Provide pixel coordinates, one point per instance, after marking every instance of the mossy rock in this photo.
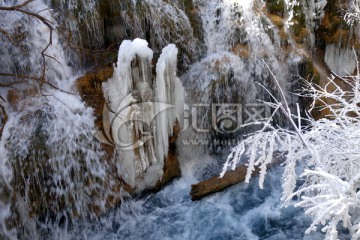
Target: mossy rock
(55, 181)
(276, 20)
(333, 28)
(241, 50)
(90, 89)
(33, 171)
(143, 19)
(276, 7)
(301, 35)
(194, 17)
(299, 28)
(308, 71)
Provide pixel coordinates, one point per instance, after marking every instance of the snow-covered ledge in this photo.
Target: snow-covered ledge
(142, 111)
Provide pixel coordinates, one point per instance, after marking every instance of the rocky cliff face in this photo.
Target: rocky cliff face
(308, 25)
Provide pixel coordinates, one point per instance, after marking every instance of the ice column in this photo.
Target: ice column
(143, 111)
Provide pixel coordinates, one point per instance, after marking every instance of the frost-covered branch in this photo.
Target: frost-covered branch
(353, 13)
(21, 8)
(327, 149)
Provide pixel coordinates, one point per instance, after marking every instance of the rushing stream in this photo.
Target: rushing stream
(240, 212)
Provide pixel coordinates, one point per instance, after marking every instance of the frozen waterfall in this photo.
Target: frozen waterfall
(143, 111)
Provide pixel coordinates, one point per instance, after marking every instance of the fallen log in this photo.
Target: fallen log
(217, 184)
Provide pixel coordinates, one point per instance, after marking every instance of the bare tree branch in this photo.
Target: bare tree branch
(18, 8)
(41, 80)
(95, 54)
(36, 79)
(8, 36)
(3, 117)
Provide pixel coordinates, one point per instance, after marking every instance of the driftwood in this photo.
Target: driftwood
(217, 184)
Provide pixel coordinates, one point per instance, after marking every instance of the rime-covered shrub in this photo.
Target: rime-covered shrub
(327, 150)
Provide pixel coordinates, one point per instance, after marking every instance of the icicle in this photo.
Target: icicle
(339, 60)
(141, 145)
(168, 90)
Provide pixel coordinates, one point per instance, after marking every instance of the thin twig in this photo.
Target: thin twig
(287, 112)
(34, 79)
(4, 119)
(8, 36)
